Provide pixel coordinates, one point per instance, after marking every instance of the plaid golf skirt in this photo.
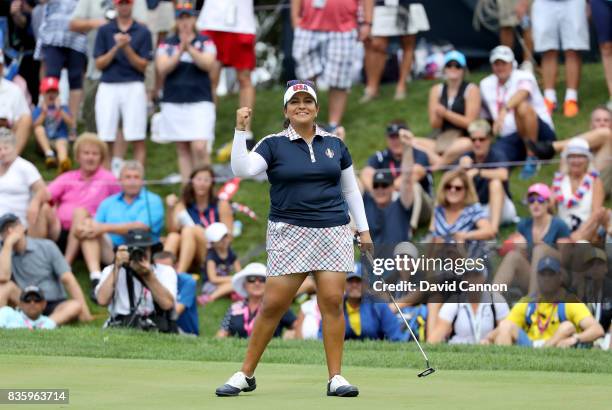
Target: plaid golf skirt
(295, 249)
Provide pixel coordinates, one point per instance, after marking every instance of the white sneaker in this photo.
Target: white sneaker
(527, 66)
(239, 382)
(339, 386)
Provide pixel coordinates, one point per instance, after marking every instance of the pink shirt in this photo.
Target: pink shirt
(336, 15)
(70, 191)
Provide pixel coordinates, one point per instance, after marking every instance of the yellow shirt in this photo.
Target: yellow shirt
(354, 318)
(548, 318)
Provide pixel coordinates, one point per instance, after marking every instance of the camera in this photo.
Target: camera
(137, 253)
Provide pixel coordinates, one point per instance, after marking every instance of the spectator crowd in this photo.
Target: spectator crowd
(92, 74)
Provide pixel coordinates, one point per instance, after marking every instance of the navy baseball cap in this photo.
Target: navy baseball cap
(356, 273)
(382, 177)
(185, 7)
(32, 290)
(7, 219)
(395, 127)
(549, 263)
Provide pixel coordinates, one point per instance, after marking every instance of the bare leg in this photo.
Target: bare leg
(375, 59)
(193, 248)
(496, 202)
(41, 139)
(21, 129)
(62, 149)
(308, 286)
(247, 90)
(549, 69)
(526, 121)
(606, 57)
(528, 49)
(337, 105)
(9, 294)
(173, 242)
(408, 44)
(74, 102)
(66, 312)
(79, 216)
(199, 153)
(506, 36)
(277, 299)
(507, 333)
(185, 164)
(140, 151)
(92, 253)
(222, 290)
(47, 225)
(573, 65)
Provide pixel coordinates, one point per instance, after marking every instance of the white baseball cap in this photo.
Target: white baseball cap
(215, 232)
(299, 86)
(503, 53)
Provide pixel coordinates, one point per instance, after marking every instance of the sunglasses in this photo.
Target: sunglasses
(453, 64)
(34, 299)
(253, 279)
(380, 186)
(457, 188)
(309, 83)
(536, 198)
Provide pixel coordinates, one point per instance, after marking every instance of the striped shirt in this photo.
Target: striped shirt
(54, 28)
(466, 222)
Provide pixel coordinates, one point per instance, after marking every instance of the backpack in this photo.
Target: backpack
(531, 308)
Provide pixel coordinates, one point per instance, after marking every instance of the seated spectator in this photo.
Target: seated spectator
(308, 322)
(388, 218)
(579, 193)
(14, 110)
(536, 237)
(514, 102)
(491, 181)
(540, 322)
(122, 51)
(29, 261)
(453, 106)
(29, 315)
(77, 194)
(134, 207)
(240, 317)
(52, 123)
(23, 191)
(149, 304)
(187, 219)
(186, 306)
(365, 318)
(390, 160)
(599, 138)
(468, 319)
(221, 263)
(458, 216)
(187, 110)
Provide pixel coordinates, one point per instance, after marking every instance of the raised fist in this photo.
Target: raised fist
(243, 118)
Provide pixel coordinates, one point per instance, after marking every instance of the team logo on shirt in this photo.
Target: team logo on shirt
(329, 153)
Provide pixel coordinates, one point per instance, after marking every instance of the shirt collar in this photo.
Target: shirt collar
(29, 245)
(138, 197)
(95, 175)
(290, 133)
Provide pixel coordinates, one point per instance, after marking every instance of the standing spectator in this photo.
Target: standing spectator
(29, 261)
(453, 106)
(14, 110)
(32, 304)
(22, 190)
(308, 322)
(188, 219)
(62, 48)
(390, 160)
(560, 25)
(388, 218)
(122, 52)
(231, 26)
(52, 124)
(186, 306)
(601, 12)
(514, 102)
(405, 19)
(491, 181)
(508, 17)
(187, 108)
(458, 216)
(77, 194)
(132, 208)
(240, 316)
(324, 45)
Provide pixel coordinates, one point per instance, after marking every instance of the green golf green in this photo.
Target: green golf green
(162, 384)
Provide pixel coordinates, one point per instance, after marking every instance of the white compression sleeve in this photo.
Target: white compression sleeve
(352, 196)
(245, 163)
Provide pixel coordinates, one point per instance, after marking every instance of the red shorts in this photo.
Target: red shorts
(234, 49)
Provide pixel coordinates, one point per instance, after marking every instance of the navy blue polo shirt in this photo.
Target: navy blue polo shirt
(482, 184)
(305, 185)
(120, 70)
(187, 83)
(384, 160)
(388, 225)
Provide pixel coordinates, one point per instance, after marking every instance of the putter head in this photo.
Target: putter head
(427, 372)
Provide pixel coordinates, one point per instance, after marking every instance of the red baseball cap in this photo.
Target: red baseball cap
(49, 84)
(123, 1)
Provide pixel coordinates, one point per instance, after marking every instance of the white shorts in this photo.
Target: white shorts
(560, 25)
(187, 122)
(386, 23)
(508, 214)
(125, 101)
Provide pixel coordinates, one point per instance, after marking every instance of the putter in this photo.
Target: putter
(429, 370)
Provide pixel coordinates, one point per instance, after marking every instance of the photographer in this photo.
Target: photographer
(138, 293)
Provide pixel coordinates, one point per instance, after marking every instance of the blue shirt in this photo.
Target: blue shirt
(147, 208)
(377, 323)
(388, 225)
(120, 70)
(305, 179)
(384, 160)
(16, 319)
(188, 320)
(557, 230)
(54, 125)
(187, 83)
(482, 184)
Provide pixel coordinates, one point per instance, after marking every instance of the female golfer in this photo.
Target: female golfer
(312, 181)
